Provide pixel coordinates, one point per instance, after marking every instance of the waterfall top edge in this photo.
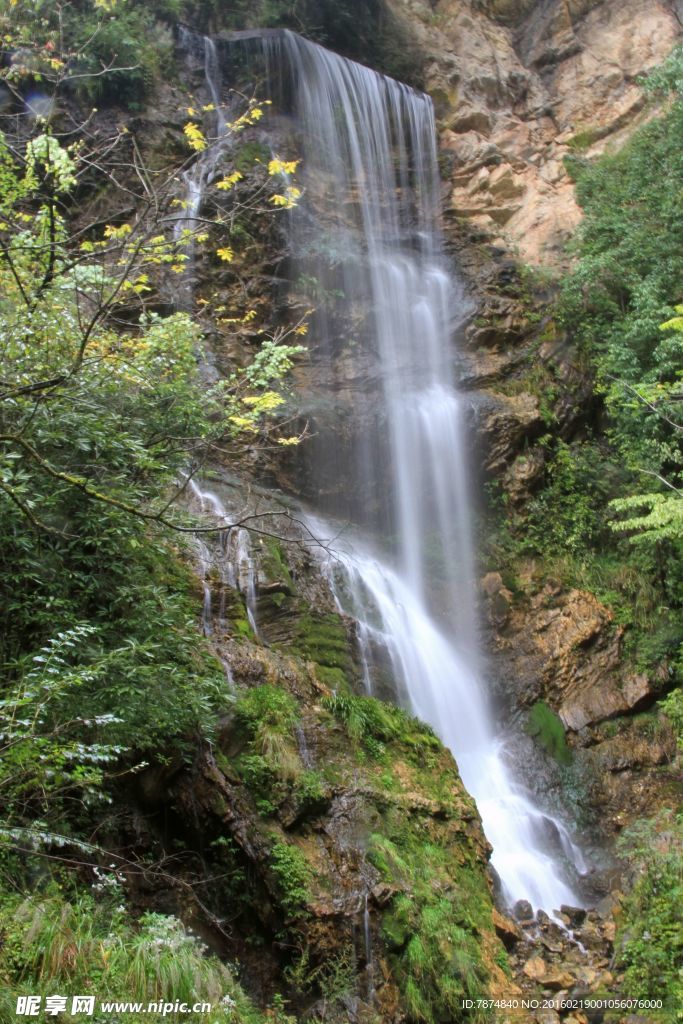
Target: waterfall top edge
(284, 34)
(253, 33)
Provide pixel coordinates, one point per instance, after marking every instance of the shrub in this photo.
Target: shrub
(293, 874)
(650, 942)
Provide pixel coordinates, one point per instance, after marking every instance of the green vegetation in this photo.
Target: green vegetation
(650, 944)
(71, 44)
(372, 724)
(293, 874)
(270, 764)
(621, 298)
(57, 942)
(435, 925)
(608, 515)
(102, 411)
(545, 725)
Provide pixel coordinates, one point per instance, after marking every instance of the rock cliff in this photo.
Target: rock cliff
(518, 87)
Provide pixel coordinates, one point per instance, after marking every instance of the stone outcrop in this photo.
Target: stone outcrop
(565, 648)
(554, 970)
(518, 88)
(561, 648)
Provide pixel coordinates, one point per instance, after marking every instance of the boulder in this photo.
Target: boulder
(535, 968)
(506, 929)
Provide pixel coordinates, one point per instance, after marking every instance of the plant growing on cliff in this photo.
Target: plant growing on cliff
(430, 927)
(103, 412)
(268, 714)
(83, 942)
(650, 944)
(618, 301)
(293, 874)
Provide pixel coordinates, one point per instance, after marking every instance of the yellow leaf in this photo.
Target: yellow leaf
(226, 254)
(266, 402)
(242, 422)
(278, 166)
(301, 329)
(113, 232)
(288, 440)
(194, 136)
(227, 183)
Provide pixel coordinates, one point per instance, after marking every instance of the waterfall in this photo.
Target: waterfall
(198, 175)
(230, 562)
(367, 233)
(366, 237)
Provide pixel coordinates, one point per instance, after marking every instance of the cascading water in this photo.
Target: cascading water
(368, 234)
(232, 564)
(196, 178)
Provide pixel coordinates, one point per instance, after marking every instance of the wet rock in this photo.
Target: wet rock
(550, 945)
(589, 936)
(523, 911)
(535, 968)
(556, 980)
(575, 915)
(506, 929)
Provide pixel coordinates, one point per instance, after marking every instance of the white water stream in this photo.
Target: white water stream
(369, 165)
(233, 565)
(368, 232)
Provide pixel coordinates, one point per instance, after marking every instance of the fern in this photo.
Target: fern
(657, 516)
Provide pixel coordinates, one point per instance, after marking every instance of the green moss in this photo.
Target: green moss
(274, 564)
(334, 678)
(545, 726)
(433, 929)
(583, 140)
(235, 612)
(322, 638)
(242, 627)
